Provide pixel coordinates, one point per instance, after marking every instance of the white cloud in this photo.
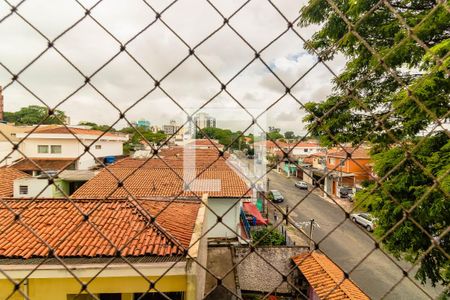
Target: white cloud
(158, 50)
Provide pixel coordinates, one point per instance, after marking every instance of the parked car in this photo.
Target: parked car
(301, 185)
(276, 196)
(364, 219)
(343, 192)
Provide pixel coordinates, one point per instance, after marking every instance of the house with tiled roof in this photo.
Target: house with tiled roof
(120, 248)
(62, 185)
(60, 146)
(340, 168)
(320, 278)
(205, 144)
(350, 167)
(178, 174)
(8, 176)
(302, 149)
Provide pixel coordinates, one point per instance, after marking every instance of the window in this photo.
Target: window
(56, 149)
(98, 147)
(305, 150)
(23, 189)
(42, 148)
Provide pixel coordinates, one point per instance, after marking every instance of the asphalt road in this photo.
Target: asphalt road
(350, 246)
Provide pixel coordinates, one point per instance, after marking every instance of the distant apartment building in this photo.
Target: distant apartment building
(155, 128)
(171, 128)
(274, 129)
(203, 120)
(59, 147)
(142, 123)
(174, 131)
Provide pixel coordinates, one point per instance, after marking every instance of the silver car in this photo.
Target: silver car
(364, 219)
(301, 185)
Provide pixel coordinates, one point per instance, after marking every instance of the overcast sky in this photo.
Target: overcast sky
(88, 47)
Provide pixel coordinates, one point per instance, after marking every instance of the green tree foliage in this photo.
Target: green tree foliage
(225, 137)
(95, 126)
(34, 114)
(408, 185)
(268, 237)
(372, 104)
(289, 135)
(274, 135)
(141, 134)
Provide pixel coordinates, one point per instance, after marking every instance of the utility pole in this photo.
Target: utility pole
(266, 205)
(287, 211)
(312, 224)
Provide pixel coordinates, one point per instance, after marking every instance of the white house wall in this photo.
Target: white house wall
(310, 150)
(35, 187)
(5, 149)
(231, 219)
(71, 148)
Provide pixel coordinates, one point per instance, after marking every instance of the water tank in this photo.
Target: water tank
(109, 160)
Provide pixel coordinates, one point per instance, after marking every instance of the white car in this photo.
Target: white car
(301, 185)
(364, 219)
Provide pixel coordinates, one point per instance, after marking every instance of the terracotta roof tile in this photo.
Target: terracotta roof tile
(304, 145)
(8, 175)
(61, 225)
(204, 142)
(26, 164)
(70, 130)
(164, 177)
(270, 144)
(359, 152)
(326, 278)
(319, 154)
(308, 160)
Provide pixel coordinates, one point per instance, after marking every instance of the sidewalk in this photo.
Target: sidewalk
(343, 203)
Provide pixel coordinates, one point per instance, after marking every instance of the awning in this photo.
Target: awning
(251, 209)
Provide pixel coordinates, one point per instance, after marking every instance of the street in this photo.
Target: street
(349, 245)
